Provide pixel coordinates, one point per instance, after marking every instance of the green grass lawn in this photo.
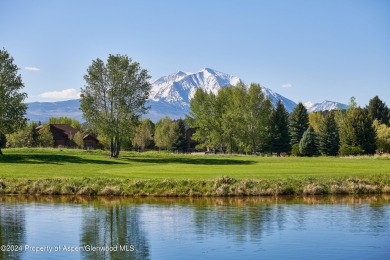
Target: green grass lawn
(67, 163)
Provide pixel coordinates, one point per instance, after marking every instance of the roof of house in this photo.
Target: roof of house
(64, 128)
(90, 137)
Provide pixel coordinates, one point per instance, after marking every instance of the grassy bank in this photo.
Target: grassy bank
(223, 186)
(77, 172)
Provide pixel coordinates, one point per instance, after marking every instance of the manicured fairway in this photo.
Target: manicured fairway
(64, 163)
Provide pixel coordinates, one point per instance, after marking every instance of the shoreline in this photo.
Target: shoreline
(217, 187)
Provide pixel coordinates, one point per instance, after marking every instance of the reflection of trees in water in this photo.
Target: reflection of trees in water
(241, 222)
(114, 225)
(12, 228)
(252, 221)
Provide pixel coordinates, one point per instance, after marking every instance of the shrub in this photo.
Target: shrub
(295, 150)
(350, 150)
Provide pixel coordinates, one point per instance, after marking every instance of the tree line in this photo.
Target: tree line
(243, 120)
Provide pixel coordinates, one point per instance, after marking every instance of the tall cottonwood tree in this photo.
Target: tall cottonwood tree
(114, 97)
(164, 133)
(257, 116)
(12, 108)
(143, 134)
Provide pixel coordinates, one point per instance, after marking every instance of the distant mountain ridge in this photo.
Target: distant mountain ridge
(325, 105)
(170, 95)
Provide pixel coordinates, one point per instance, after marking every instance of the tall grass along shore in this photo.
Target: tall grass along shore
(77, 172)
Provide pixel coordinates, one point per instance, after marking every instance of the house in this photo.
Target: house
(90, 142)
(63, 134)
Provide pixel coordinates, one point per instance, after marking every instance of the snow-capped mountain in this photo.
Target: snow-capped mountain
(171, 95)
(325, 105)
(179, 88)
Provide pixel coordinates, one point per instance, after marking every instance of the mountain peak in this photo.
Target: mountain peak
(324, 105)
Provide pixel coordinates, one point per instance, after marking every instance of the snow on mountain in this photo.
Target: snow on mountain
(325, 105)
(179, 88)
(288, 104)
(171, 95)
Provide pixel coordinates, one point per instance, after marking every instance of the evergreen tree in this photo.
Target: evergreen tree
(357, 134)
(377, 109)
(308, 144)
(299, 121)
(328, 136)
(180, 138)
(279, 131)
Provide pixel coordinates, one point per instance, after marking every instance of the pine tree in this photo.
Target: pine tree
(377, 109)
(308, 145)
(279, 131)
(328, 136)
(299, 121)
(357, 134)
(180, 139)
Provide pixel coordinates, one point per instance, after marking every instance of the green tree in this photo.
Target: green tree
(299, 122)
(257, 116)
(3, 140)
(45, 137)
(114, 98)
(308, 145)
(180, 138)
(316, 119)
(65, 120)
(377, 109)
(279, 131)
(164, 133)
(357, 134)
(206, 118)
(78, 139)
(143, 134)
(21, 138)
(383, 137)
(328, 136)
(12, 108)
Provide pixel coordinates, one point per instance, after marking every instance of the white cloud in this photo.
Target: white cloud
(32, 69)
(70, 93)
(309, 104)
(287, 85)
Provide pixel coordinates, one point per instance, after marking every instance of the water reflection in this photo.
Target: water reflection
(116, 226)
(12, 228)
(230, 228)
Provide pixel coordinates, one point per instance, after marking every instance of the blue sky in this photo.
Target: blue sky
(304, 50)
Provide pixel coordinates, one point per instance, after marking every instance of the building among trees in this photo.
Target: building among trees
(63, 136)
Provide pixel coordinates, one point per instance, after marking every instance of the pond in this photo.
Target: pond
(330, 227)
